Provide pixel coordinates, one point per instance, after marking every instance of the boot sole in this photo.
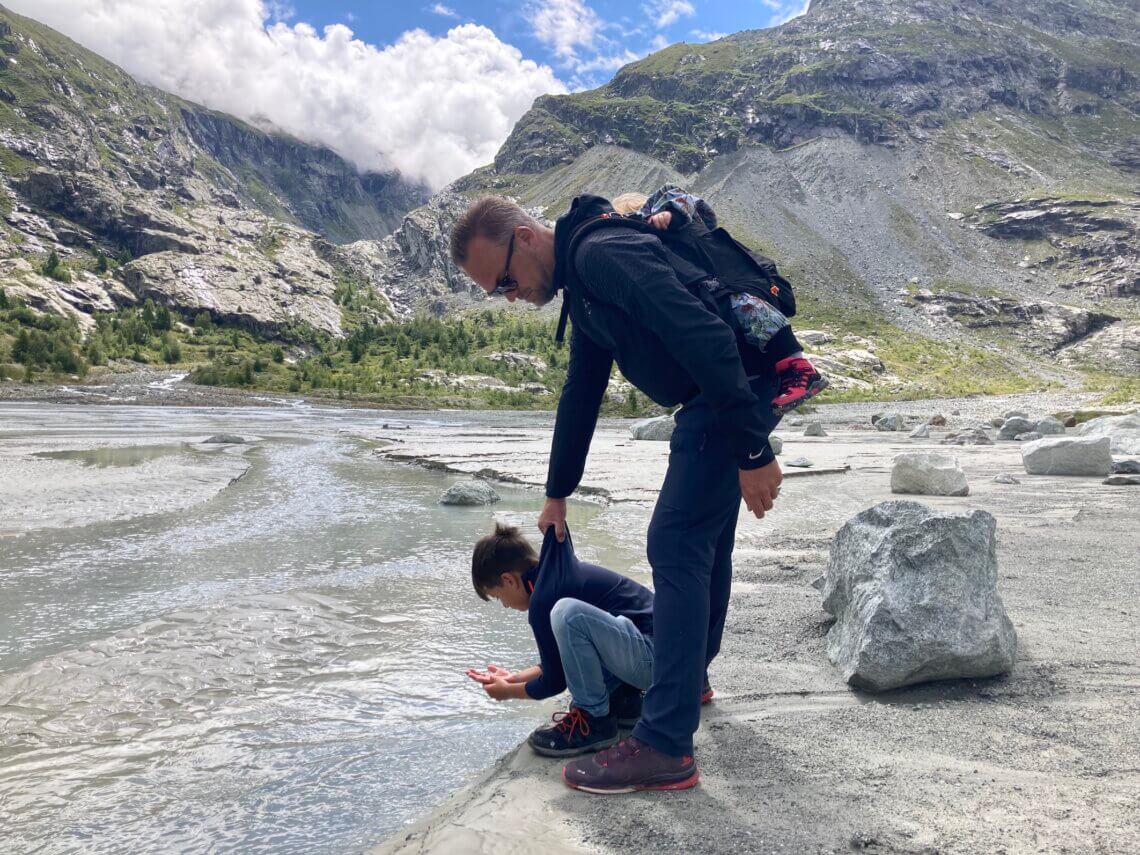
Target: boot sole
(592, 748)
(814, 389)
(683, 784)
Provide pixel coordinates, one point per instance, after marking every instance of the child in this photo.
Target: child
(763, 324)
(594, 631)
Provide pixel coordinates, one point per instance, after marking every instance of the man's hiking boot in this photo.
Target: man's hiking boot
(629, 766)
(799, 382)
(574, 732)
(625, 705)
(707, 692)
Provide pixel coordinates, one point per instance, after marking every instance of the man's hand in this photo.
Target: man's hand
(553, 514)
(760, 487)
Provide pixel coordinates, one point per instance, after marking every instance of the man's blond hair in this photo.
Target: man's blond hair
(492, 218)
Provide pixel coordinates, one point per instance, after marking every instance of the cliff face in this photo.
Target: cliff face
(94, 162)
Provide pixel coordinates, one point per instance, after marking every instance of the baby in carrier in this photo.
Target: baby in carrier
(762, 324)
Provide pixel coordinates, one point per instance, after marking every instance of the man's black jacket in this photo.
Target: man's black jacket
(626, 303)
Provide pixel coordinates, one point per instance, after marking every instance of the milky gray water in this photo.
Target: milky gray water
(277, 669)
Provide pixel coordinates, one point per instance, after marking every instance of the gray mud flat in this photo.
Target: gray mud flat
(1046, 759)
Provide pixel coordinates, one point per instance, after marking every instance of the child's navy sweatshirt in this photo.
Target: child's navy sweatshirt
(560, 574)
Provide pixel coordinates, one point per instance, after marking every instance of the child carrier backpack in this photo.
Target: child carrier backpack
(713, 264)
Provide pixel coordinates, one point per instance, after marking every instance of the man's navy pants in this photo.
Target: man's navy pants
(690, 546)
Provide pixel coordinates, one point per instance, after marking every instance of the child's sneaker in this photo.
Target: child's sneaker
(625, 705)
(799, 381)
(574, 732)
(629, 766)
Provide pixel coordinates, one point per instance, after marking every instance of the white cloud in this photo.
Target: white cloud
(774, 5)
(660, 42)
(794, 12)
(564, 25)
(443, 11)
(668, 12)
(706, 36)
(434, 108)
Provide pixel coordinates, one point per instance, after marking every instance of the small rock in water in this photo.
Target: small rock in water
(224, 439)
(1056, 455)
(659, 429)
(1013, 426)
(814, 429)
(1049, 427)
(1122, 480)
(920, 432)
(1027, 437)
(776, 443)
(928, 473)
(469, 493)
(801, 462)
(914, 596)
(1005, 478)
(894, 421)
(1126, 467)
(977, 436)
(937, 420)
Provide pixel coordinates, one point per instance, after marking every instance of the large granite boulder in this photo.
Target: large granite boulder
(928, 474)
(1123, 431)
(472, 492)
(1011, 427)
(914, 595)
(659, 429)
(1068, 455)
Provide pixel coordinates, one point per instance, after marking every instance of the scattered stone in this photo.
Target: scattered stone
(776, 443)
(997, 422)
(1122, 480)
(1015, 414)
(1123, 432)
(813, 338)
(224, 439)
(801, 462)
(1070, 422)
(1049, 426)
(1005, 478)
(659, 429)
(814, 429)
(1068, 456)
(795, 421)
(920, 432)
(1126, 467)
(472, 492)
(975, 436)
(937, 420)
(1027, 437)
(875, 418)
(894, 421)
(927, 473)
(914, 595)
(955, 412)
(1014, 425)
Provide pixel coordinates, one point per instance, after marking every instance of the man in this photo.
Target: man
(628, 305)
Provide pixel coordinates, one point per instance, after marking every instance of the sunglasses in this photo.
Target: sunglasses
(506, 283)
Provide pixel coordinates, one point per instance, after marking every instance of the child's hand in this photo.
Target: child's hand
(492, 673)
(498, 689)
(661, 221)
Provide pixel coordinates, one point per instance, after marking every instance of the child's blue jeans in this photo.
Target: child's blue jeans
(599, 652)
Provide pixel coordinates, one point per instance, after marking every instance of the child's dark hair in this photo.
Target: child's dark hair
(505, 551)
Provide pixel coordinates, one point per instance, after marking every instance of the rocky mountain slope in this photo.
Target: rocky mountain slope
(202, 211)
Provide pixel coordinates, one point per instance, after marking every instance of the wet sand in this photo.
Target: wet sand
(1046, 759)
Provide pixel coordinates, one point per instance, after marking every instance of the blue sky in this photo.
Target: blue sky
(599, 35)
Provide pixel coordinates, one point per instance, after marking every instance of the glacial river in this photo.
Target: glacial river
(277, 669)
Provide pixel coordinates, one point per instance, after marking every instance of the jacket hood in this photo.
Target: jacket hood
(582, 208)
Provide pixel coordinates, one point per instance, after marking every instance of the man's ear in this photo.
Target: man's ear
(525, 235)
